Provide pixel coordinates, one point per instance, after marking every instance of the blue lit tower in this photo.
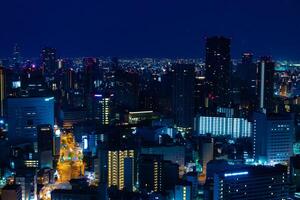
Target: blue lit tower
(24, 114)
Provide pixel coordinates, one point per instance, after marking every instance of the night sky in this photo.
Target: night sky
(149, 28)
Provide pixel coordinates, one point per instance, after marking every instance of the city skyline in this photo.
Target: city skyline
(144, 100)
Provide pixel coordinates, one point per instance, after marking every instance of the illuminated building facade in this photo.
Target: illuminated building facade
(25, 114)
(102, 108)
(139, 116)
(253, 182)
(151, 172)
(223, 126)
(121, 169)
(273, 137)
(183, 192)
(157, 174)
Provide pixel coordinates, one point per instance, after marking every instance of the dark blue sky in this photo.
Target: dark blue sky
(154, 28)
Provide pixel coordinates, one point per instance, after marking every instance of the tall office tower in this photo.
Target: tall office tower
(45, 145)
(183, 191)
(69, 79)
(2, 90)
(183, 83)
(246, 72)
(24, 114)
(90, 68)
(151, 172)
(217, 74)
(48, 60)
(199, 92)
(16, 57)
(102, 108)
(265, 84)
(157, 174)
(117, 168)
(252, 182)
(273, 137)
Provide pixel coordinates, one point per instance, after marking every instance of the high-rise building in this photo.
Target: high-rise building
(183, 191)
(157, 174)
(24, 114)
(151, 172)
(217, 74)
(90, 69)
(273, 137)
(183, 83)
(16, 57)
(223, 126)
(252, 182)
(102, 108)
(117, 168)
(48, 59)
(246, 72)
(45, 145)
(121, 168)
(265, 84)
(69, 79)
(2, 90)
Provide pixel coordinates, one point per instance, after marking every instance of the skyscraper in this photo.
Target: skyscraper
(246, 71)
(183, 83)
(16, 57)
(157, 174)
(117, 168)
(24, 114)
(265, 84)
(217, 74)
(273, 137)
(244, 83)
(45, 145)
(48, 59)
(102, 108)
(90, 68)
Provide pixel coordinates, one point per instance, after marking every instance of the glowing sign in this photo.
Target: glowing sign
(48, 99)
(236, 174)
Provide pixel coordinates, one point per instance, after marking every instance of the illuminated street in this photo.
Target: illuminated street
(70, 165)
